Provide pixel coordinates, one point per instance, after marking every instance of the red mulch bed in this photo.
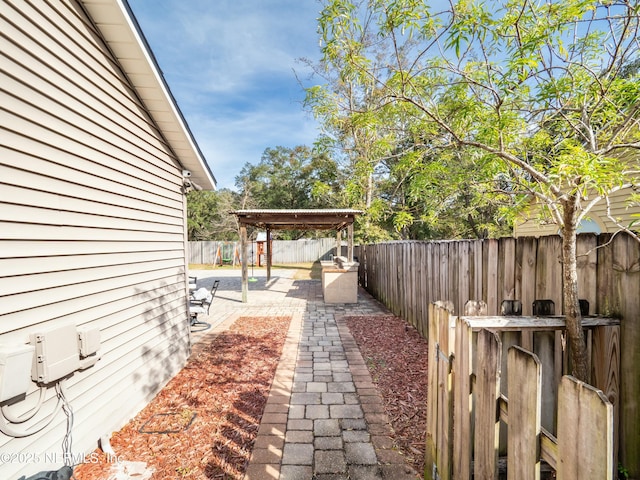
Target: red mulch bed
(215, 404)
(396, 355)
(226, 387)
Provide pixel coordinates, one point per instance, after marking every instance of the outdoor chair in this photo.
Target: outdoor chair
(200, 303)
(193, 284)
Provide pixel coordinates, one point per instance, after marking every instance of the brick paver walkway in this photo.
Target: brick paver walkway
(324, 418)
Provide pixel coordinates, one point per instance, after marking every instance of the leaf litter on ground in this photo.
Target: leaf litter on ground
(396, 356)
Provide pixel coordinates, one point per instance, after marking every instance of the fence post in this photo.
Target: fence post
(524, 411)
(487, 428)
(585, 432)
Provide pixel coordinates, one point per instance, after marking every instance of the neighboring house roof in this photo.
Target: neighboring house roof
(123, 35)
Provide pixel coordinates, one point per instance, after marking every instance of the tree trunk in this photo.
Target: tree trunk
(369, 194)
(572, 312)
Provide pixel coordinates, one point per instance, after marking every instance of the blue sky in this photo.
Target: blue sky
(232, 67)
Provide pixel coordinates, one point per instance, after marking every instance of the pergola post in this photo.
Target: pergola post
(245, 265)
(338, 243)
(268, 254)
(350, 242)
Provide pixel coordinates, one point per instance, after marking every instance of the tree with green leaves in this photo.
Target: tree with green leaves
(543, 94)
(208, 215)
(290, 178)
(407, 185)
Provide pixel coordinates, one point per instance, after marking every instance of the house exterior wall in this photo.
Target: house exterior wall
(528, 226)
(92, 226)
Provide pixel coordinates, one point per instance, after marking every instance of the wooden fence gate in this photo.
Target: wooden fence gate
(466, 408)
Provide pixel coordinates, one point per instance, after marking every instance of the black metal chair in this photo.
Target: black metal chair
(193, 284)
(200, 303)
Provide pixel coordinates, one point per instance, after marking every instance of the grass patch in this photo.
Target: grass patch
(209, 266)
(304, 271)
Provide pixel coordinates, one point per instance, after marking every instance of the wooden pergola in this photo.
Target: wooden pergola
(269, 220)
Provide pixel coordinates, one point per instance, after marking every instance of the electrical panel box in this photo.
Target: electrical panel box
(56, 353)
(88, 341)
(15, 368)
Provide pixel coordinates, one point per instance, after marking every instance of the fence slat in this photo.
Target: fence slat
(524, 372)
(454, 276)
(585, 432)
(462, 402)
(444, 445)
(492, 277)
(507, 270)
(606, 370)
(444, 268)
(587, 266)
(464, 275)
(430, 472)
(487, 426)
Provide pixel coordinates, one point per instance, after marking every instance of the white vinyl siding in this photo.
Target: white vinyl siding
(620, 210)
(91, 222)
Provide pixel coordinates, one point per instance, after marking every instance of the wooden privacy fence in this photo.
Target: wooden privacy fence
(284, 251)
(408, 276)
(214, 252)
(466, 405)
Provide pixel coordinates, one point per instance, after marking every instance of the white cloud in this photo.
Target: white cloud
(228, 45)
(230, 144)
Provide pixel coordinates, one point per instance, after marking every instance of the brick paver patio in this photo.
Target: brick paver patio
(324, 418)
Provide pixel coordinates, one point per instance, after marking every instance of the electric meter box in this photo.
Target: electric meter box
(15, 368)
(56, 353)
